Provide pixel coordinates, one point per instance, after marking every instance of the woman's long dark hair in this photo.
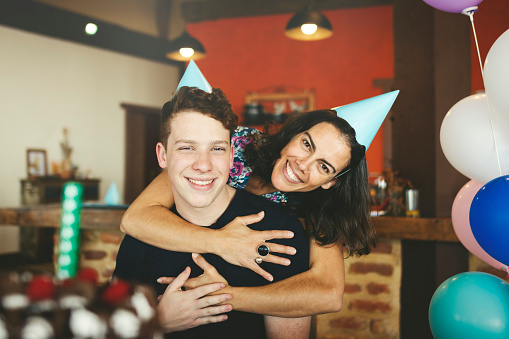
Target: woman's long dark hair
(340, 214)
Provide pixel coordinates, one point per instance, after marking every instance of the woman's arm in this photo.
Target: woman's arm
(318, 290)
(148, 219)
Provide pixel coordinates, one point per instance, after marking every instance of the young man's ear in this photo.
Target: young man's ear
(161, 155)
(329, 184)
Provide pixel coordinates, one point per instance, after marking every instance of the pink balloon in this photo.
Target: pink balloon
(461, 223)
(452, 6)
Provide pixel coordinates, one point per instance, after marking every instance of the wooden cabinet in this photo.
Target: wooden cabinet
(46, 191)
(36, 243)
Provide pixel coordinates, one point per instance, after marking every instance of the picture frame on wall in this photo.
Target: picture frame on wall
(37, 163)
(262, 107)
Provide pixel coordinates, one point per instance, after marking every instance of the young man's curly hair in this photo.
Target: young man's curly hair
(192, 99)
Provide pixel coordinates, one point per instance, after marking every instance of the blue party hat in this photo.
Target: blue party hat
(194, 78)
(366, 116)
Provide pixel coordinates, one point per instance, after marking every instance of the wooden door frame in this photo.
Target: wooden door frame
(137, 148)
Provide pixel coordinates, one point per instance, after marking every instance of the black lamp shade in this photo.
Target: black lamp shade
(185, 40)
(308, 15)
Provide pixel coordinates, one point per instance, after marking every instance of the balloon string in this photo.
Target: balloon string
(471, 15)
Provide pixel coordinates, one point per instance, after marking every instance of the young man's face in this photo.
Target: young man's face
(198, 158)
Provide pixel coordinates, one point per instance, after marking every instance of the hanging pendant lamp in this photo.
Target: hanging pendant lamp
(308, 24)
(185, 48)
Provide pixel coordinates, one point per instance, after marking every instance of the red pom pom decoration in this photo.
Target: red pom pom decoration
(41, 288)
(116, 292)
(88, 274)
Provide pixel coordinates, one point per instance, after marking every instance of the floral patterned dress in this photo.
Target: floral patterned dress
(241, 171)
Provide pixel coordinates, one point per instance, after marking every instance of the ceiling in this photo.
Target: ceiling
(166, 18)
(143, 28)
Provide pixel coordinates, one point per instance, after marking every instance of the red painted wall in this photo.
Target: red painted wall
(491, 20)
(253, 54)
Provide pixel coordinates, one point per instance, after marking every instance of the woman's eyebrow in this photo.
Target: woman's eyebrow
(313, 148)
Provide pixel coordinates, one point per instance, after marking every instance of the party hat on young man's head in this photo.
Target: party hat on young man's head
(194, 78)
(366, 116)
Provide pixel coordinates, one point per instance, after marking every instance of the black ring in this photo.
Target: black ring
(263, 250)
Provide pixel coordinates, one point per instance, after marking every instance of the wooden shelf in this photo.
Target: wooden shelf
(49, 190)
(308, 96)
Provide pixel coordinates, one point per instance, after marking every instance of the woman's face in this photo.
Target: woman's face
(311, 159)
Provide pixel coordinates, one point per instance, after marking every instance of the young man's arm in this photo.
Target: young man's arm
(287, 328)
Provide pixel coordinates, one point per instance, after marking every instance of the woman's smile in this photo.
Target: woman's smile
(291, 176)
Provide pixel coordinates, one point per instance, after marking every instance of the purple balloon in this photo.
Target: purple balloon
(452, 6)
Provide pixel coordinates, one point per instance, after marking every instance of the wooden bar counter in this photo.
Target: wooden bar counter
(387, 227)
(404, 264)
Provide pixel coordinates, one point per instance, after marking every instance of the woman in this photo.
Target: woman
(316, 157)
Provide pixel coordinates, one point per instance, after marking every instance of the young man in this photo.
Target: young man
(197, 153)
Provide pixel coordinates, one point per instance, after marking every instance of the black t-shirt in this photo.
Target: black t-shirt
(140, 262)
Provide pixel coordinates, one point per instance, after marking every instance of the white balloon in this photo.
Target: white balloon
(467, 139)
(496, 74)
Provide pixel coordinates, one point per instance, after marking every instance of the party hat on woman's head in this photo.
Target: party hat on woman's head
(366, 116)
(193, 78)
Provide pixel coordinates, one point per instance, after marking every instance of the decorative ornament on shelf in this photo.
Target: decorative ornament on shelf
(396, 186)
(66, 169)
(112, 196)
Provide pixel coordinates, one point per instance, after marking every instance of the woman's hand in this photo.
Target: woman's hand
(180, 310)
(238, 244)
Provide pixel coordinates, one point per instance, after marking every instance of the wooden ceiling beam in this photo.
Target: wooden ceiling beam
(205, 10)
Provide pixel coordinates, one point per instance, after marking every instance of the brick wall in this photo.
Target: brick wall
(98, 251)
(371, 302)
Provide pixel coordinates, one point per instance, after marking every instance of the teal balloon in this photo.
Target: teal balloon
(470, 305)
(489, 218)
(193, 77)
(366, 116)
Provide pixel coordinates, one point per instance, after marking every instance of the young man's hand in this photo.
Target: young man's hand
(180, 310)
